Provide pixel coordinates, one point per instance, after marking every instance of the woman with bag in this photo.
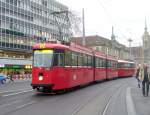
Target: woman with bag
(144, 76)
(137, 76)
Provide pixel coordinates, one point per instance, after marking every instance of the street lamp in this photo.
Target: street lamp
(130, 40)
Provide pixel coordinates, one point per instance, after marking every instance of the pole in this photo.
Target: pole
(130, 40)
(83, 39)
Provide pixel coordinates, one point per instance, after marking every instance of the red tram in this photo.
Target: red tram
(126, 68)
(57, 66)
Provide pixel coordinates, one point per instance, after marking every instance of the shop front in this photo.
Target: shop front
(15, 66)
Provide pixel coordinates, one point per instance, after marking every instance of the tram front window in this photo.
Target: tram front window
(43, 58)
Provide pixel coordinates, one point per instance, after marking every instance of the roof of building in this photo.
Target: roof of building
(96, 40)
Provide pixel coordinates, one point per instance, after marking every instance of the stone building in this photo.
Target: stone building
(146, 45)
(103, 44)
(137, 51)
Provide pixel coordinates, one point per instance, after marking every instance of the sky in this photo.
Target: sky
(126, 16)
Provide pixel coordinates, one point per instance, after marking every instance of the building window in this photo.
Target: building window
(14, 2)
(44, 2)
(19, 3)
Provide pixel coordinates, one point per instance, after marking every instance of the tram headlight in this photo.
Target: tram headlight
(40, 78)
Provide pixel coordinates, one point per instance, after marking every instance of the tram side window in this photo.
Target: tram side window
(85, 60)
(89, 60)
(59, 59)
(96, 62)
(74, 59)
(122, 65)
(132, 65)
(129, 65)
(92, 58)
(80, 59)
(103, 63)
(100, 62)
(108, 63)
(111, 63)
(114, 63)
(126, 65)
(68, 58)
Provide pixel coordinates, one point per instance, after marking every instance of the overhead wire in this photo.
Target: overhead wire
(110, 18)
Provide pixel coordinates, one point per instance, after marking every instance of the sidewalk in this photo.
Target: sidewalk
(141, 103)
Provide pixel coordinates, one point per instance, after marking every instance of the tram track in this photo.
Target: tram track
(29, 99)
(80, 107)
(111, 98)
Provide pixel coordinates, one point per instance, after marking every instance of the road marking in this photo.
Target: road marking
(16, 93)
(111, 99)
(14, 102)
(24, 105)
(129, 102)
(106, 107)
(13, 91)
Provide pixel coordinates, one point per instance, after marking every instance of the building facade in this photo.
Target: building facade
(146, 45)
(144, 50)
(105, 45)
(26, 22)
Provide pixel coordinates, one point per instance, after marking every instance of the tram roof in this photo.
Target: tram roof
(124, 61)
(71, 47)
(50, 45)
(81, 49)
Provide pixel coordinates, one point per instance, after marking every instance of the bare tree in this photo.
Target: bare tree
(75, 21)
(70, 20)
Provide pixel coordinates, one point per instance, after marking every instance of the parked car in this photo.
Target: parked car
(3, 78)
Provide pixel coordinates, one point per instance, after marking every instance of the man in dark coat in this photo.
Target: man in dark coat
(137, 76)
(145, 77)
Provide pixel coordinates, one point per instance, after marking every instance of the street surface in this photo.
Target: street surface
(115, 97)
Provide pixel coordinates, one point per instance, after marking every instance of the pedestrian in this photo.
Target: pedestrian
(10, 76)
(137, 76)
(144, 76)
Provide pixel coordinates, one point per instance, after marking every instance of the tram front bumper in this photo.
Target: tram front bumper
(42, 85)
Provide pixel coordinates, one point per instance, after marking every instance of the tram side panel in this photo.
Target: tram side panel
(100, 69)
(122, 72)
(111, 69)
(126, 68)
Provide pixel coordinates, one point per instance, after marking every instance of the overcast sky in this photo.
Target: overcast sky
(127, 17)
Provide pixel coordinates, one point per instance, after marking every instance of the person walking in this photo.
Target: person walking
(145, 78)
(137, 76)
(10, 76)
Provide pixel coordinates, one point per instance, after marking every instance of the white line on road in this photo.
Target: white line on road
(111, 99)
(13, 91)
(17, 93)
(129, 102)
(14, 102)
(106, 107)
(24, 105)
